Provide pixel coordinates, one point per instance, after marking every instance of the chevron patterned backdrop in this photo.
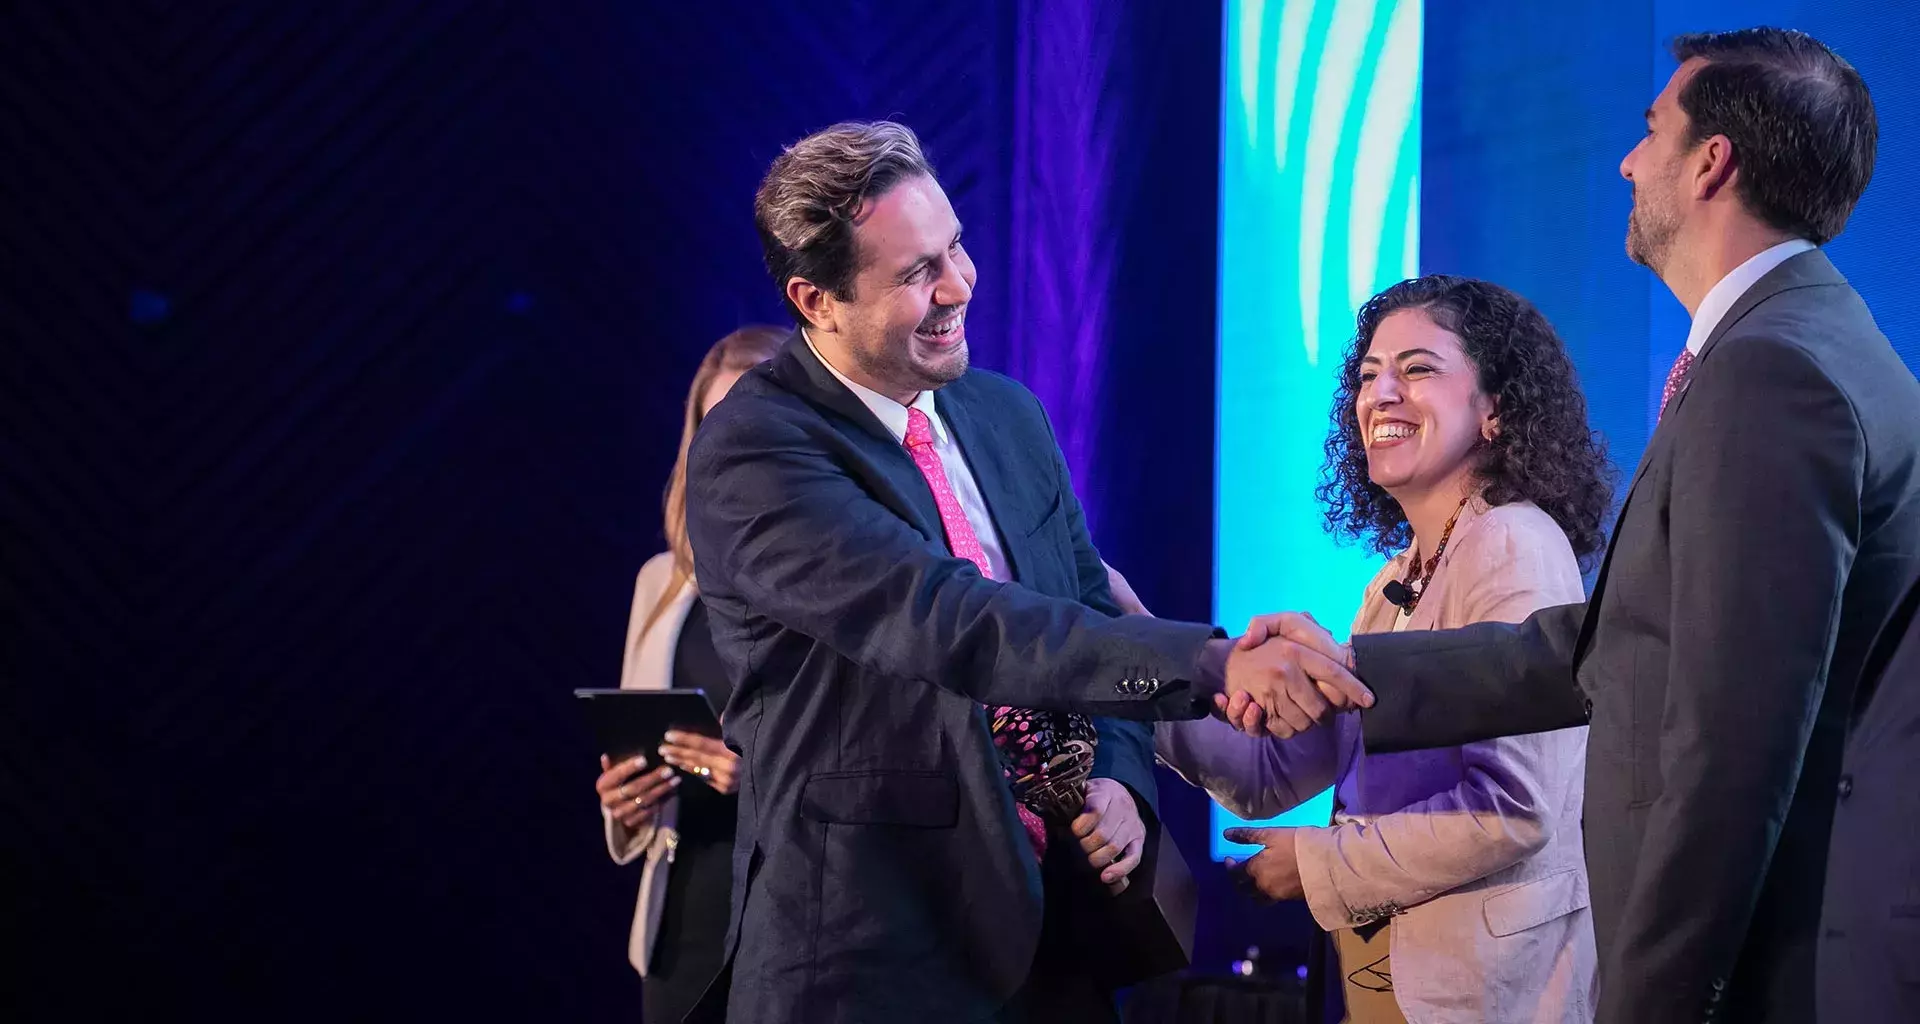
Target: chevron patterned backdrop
(343, 352)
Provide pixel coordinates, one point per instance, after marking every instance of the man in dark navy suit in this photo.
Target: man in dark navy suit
(920, 633)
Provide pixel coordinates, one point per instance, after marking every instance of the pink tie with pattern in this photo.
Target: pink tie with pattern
(1676, 377)
(965, 544)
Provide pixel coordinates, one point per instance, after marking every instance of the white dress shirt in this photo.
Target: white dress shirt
(1723, 295)
(893, 416)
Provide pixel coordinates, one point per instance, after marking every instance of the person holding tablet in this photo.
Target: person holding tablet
(680, 917)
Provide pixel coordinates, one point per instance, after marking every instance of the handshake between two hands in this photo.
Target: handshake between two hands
(1285, 675)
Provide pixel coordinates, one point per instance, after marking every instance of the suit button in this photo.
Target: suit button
(1719, 986)
(1846, 786)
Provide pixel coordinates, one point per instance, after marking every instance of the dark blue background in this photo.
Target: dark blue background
(1529, 109)
(345, 350)
(344, 353)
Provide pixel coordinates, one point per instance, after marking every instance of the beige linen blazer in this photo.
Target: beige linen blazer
(649, 666)
(1473, 851)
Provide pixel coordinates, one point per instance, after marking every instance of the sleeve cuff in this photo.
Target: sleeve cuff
(1314, 851)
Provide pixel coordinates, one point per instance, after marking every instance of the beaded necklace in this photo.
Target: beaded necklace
(1420, 575)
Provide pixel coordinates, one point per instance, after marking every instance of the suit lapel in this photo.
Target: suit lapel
(1803, 270)
(986, 447)
(1800, 271)
(653, 660)
(1653, 452)
(805, 375)
(895, 480)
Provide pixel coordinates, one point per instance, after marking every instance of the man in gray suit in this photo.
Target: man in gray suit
(1869, 961)
(1766, 536)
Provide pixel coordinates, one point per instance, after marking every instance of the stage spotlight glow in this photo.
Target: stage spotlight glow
(1319, 209)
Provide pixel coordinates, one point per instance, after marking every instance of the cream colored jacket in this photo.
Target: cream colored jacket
(649, 666)
(1475, 851)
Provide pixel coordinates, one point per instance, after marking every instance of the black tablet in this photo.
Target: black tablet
(629, 722)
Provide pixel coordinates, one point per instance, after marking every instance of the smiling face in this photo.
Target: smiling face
(1420, 409)
(904, 328)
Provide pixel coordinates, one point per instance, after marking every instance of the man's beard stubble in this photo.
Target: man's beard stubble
(1649, 235)
(894, 362)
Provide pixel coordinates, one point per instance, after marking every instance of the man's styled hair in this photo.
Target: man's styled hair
(806, 205)
(1801, 122)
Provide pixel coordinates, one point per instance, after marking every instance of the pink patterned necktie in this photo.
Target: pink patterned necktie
(964, 544)
(1676, 377)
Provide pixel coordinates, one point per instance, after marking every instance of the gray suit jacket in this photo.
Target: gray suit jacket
(1870, 922)
(1766, 536)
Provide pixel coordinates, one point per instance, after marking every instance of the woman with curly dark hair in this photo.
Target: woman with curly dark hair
(1451, 881)
(1537, 447)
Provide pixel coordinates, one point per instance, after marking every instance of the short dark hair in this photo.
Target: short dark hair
(1545, 452)
(806, 205)
(1801, 122)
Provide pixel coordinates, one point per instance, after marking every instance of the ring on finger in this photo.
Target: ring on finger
(622, 791)
(703, 771)
(638, 802)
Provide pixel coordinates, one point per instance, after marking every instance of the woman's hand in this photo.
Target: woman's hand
(703, 757)
(633, 799)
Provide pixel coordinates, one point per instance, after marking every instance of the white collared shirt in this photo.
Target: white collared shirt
(893, 416)
(1723, 295)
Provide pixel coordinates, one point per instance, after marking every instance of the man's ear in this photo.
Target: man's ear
(1713, 167)
(815, 304)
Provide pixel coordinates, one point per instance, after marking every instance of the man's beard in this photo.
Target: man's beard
(896, 363)
(893, 361)
(1649, 234)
